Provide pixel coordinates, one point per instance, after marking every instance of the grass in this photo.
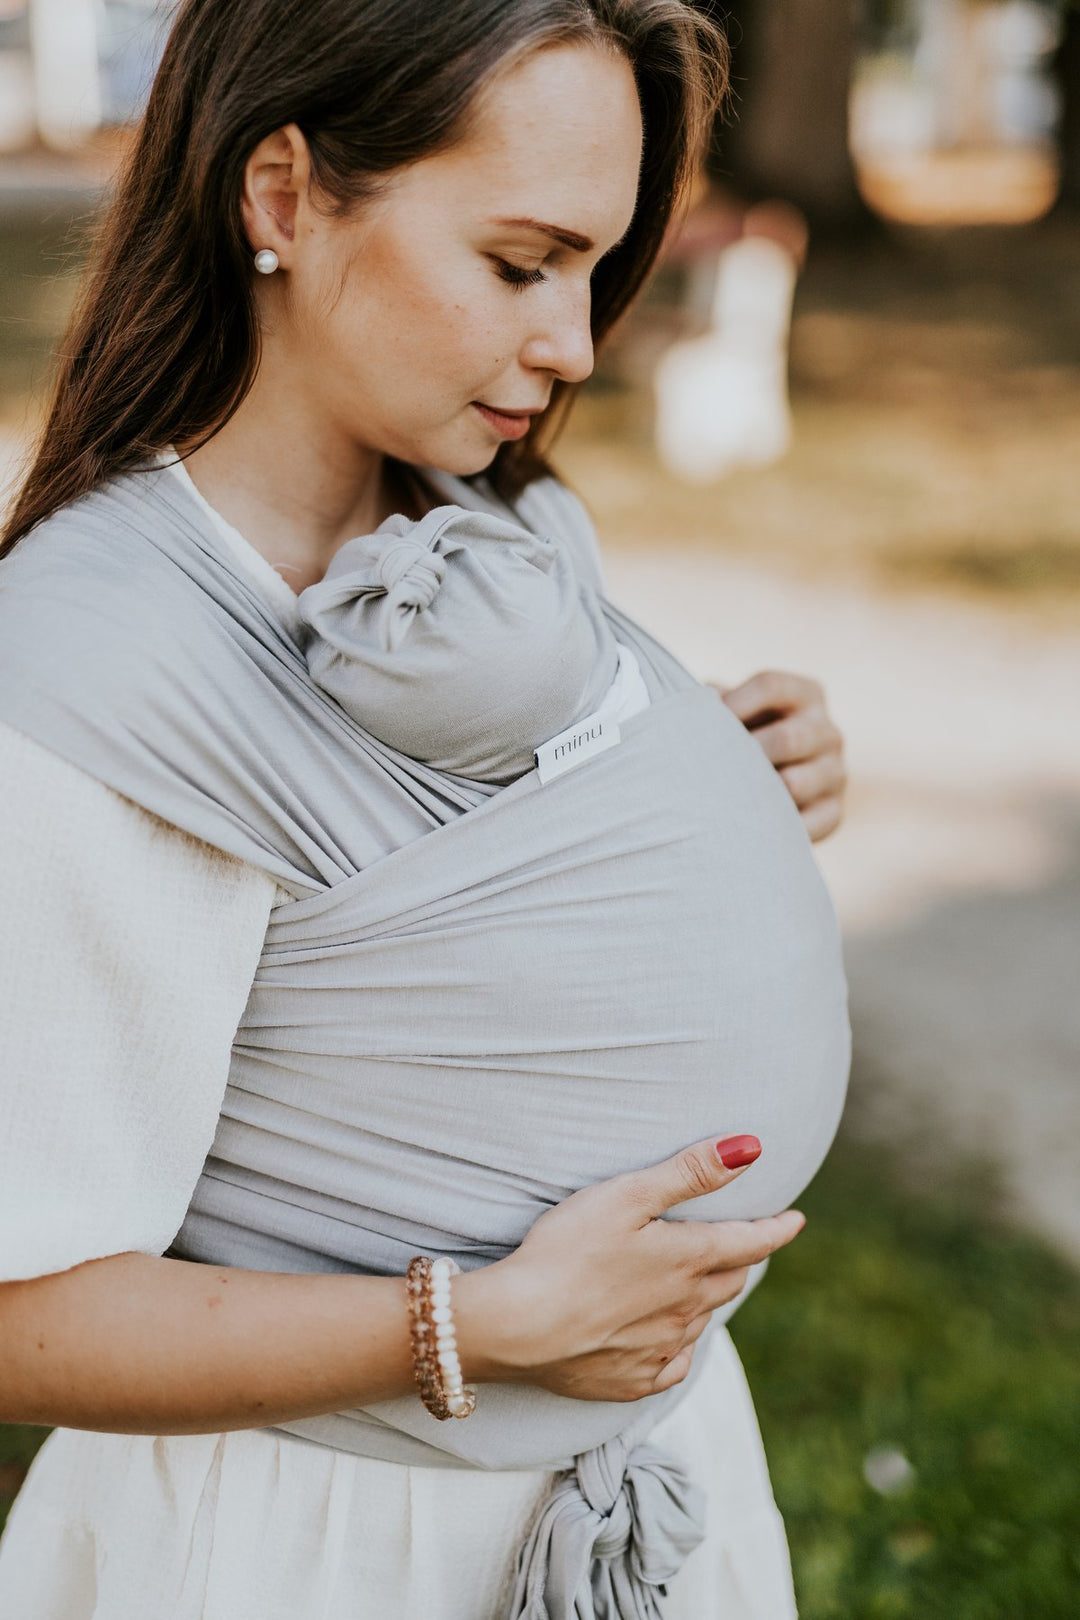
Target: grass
(18, 1444)
(911, 1321)
(914, 1323)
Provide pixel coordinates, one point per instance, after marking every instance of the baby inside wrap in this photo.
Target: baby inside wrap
(479, 998)
(462, 640)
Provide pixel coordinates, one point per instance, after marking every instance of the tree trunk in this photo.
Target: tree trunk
(787, 135)
(1067, 70)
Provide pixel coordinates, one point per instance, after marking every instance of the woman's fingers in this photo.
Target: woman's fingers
(698, 1325)
(662, 1279)
(815, 778)
(817, 787)
(772, 692)
(721, 1287)
(822, 818)
(701, 1168)
(798, 737)
(674, 1371)
(725, 1246)
(787, 715)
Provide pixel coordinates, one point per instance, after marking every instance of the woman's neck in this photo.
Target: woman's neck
(294, 492)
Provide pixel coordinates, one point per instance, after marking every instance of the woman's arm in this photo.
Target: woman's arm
(136, 1344)
(603, 1301)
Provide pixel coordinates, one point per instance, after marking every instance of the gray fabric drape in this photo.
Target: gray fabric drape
(476, 1001)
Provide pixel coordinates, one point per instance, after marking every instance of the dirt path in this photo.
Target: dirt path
(957, 873)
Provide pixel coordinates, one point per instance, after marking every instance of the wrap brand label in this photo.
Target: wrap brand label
(575, 745)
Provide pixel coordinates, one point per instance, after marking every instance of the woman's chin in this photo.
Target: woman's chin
(459, 466)
(462, 453)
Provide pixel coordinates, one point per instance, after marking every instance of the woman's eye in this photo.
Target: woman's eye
(516, 276)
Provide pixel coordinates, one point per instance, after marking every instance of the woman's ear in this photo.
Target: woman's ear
(276, 179)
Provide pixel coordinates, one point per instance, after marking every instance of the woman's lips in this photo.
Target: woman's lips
(509, 427)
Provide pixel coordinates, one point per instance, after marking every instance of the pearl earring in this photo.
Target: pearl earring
(266, 261)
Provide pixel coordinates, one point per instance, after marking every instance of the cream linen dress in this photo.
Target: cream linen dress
(126, 954)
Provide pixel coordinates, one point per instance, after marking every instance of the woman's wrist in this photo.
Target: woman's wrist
(493, 1338)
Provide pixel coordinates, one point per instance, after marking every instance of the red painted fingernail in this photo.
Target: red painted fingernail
(735, 1151)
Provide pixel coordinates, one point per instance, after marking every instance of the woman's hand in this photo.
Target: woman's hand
(604, 1301)
(787, 716)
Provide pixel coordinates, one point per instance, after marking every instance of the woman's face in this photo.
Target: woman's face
(407, 329)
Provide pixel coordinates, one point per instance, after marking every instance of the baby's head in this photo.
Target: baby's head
(463, 640)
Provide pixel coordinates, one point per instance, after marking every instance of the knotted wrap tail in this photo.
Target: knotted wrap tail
(615, 1529)
(411, 574)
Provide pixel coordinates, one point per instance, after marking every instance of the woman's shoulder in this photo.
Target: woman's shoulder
(88, 575)
(83, 823)
(549, 505)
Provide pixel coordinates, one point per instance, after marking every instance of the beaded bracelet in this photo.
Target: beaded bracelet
(436, 1366)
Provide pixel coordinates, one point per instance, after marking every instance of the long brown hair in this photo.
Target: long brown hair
(164, 343)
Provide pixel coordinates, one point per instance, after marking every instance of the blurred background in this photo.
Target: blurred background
(841, 435)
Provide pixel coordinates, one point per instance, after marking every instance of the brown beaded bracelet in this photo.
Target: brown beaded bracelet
(433, 1344)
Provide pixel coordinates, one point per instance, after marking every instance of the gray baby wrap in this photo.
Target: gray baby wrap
(477, 1001)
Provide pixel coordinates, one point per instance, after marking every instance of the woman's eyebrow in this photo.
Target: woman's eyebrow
(570, 239)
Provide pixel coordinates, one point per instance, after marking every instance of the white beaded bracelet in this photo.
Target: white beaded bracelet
(459, 1399)
(436, 1364)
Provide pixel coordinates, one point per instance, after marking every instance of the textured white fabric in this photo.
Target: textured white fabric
(125, 975)
(126, 954)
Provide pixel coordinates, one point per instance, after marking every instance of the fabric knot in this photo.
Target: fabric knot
(601, 1475)
(613, 1532)
(410, 572)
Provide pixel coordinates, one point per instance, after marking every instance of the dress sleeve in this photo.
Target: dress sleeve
(127, 950)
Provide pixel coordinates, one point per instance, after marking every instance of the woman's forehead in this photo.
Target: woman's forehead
(556, 139)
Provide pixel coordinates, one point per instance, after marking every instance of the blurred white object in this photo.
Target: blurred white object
(131, 38)
(17, 124)
(886, 1470)
(721, 399)
(67, 79)
(987, 69)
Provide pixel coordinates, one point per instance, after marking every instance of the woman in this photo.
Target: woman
(448, 205)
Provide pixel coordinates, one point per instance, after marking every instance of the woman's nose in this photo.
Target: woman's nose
(564, 345)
